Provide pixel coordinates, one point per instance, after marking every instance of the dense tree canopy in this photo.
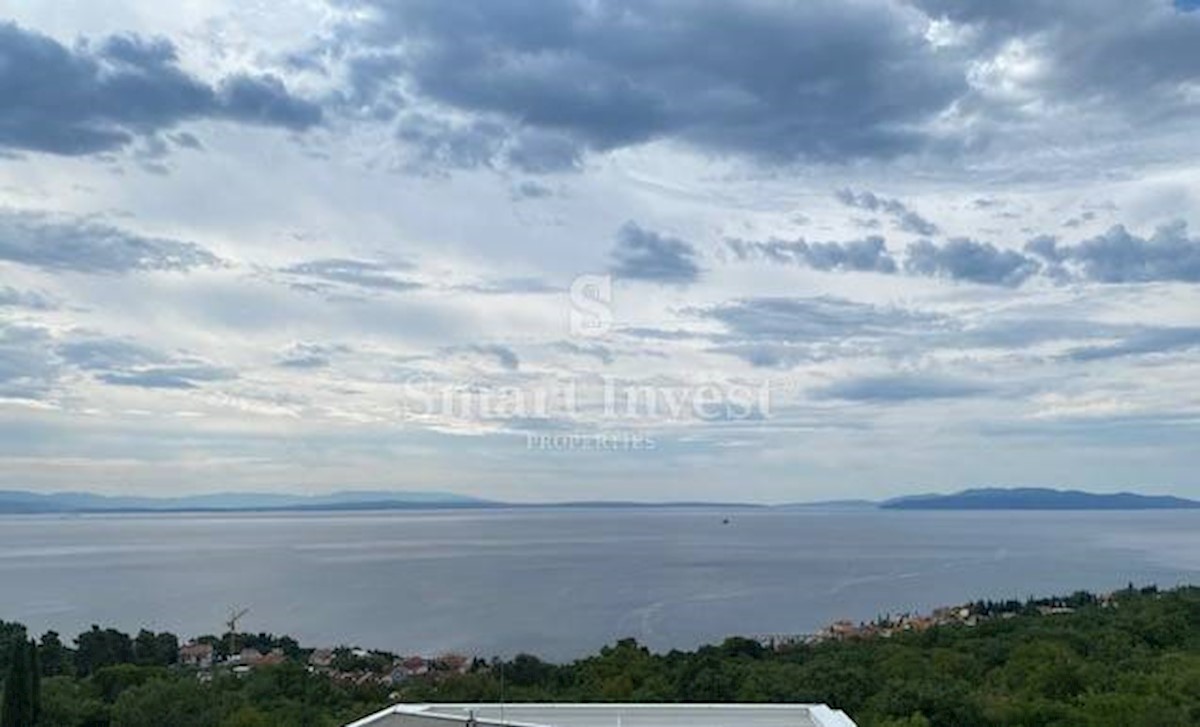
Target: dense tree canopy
(1131, 661)
(22, 686)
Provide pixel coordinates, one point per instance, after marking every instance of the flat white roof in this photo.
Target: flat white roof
(607, 715)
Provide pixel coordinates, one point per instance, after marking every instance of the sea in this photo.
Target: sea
(561, 583)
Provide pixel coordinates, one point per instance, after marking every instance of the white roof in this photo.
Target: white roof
(607, 715)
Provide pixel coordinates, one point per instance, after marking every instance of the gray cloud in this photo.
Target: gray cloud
(311, 355)
(264, 100)
(1147, 341)
(29, 299)
(899, 388)
(963, 259)
(503, 355)
(868, 254)
(912, 222)
(499, 83)
(27, 365)
(93, 354)
(121, 362)
(603, 354)
(187, 140)
(1109, 431)
(31, 361)
(507, 286)
(188, 376)
(80, 245)
(986, 203)
(661, 334)
(318, 274)
(904, 218)
(1079, 221)
(101, 96)
(1022, 332)
(769, 354)
(529, 189)
(540, 151)
(785, 332)
(816, 319)
(641, 254)
(440, 143)
(1132, 57)
(1119, 256)
(573, 76)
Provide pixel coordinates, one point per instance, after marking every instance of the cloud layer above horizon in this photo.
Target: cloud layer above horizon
(796, 250)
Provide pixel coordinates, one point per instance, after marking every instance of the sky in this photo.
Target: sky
(752, 250)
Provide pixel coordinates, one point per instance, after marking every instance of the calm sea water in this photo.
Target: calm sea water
(561, 583)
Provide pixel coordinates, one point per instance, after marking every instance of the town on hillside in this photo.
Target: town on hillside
(967, 615)
(348, 664)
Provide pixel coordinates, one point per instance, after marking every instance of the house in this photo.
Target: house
(842, 629)
(406, 668)
(249, 656)
(321, 659)
(452, 663)
(414, 665)
(1055, 610)
(195, 655)
(255, 658)
(274, 657)
(607, 715)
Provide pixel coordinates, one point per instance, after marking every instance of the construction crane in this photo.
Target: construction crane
(235, 615)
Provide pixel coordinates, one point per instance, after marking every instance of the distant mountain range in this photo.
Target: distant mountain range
(1029, 498)
(1038, 498)
(16, 501)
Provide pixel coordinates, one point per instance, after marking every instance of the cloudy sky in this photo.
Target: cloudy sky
(754, 249)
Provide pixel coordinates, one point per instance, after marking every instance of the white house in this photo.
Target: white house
(606, 715)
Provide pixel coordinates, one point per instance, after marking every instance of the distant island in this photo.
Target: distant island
(1038, 498)
(19, 501)
(994, 498)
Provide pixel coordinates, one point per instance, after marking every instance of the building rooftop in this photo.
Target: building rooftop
(607, 715)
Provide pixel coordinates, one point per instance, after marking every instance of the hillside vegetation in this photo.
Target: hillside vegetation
(1129, 660)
